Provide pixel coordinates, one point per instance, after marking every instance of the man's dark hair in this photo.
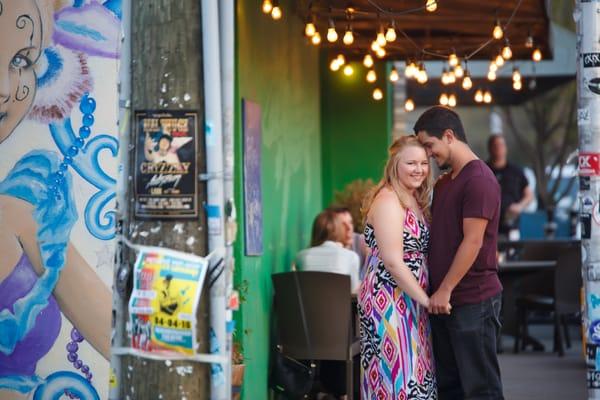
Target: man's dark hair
(437, 119)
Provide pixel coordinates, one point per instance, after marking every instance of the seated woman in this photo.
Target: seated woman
(327, 253)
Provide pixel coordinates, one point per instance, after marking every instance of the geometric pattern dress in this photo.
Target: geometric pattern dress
(396, 352)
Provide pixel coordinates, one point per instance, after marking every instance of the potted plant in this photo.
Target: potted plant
(237, 351)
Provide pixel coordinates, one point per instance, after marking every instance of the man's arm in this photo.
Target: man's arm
(473, 232)
(527, 197)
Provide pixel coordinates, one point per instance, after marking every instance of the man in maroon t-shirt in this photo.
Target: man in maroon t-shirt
(462, 262)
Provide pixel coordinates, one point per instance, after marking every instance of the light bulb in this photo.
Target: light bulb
(334, 65)
(499, 60)
(493, 66)
(348, 70)
(390, 34)
(276, 13)
(498, 32)
(431, 5)
(381, 52)
(422, 77)
(517, 85)
(332, 35)
(310, 29)
(507, 52)
(394, 75)
(467, 83)
(341, 59)
(453, 60)
(375, 46)
(410, 70)
(459, 72)
(371, 76)
(267, 6)
(381, 39)
(377, 94)
(348, 37)
(516, 76)
(451, 77)
(409, 105)
(479, 96)
(452, 100)
(491, 76)
(444, 78)
(368, 61)
(316, 38)
(537, 55)
(444, 99)
(487, 97)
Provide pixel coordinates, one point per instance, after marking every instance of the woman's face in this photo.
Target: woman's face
(164, 144)
(20, 48)
(413, 167)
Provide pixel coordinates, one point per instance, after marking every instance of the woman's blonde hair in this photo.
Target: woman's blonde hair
(391, 180)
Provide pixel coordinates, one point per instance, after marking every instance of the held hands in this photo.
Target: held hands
(439, 302)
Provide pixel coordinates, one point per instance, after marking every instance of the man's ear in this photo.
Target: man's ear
(448, 136)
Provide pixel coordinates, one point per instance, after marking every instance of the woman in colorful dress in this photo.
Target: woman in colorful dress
(396, 353)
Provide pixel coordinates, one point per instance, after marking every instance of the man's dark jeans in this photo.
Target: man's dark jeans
(464, 345)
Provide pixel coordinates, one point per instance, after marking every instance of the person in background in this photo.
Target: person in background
(516, 193)
(327, 252)
(351, 240)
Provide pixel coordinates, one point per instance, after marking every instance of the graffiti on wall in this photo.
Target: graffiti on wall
(58, 113)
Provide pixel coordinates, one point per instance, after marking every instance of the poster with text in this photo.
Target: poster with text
(166, 291)
(166, 182)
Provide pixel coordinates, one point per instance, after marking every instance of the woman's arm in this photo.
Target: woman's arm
(83, 297)
(387, 218)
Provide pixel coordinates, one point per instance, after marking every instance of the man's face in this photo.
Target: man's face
(498, 149)
(345, 220)
(436, 148)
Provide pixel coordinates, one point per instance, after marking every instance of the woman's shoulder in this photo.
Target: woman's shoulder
(386, 202)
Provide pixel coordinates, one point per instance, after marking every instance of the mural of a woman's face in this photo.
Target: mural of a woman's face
(20, 48)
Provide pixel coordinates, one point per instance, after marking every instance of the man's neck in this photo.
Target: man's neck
(461, 156)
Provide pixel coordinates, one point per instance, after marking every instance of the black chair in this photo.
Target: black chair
(564, 302)
(327, 304)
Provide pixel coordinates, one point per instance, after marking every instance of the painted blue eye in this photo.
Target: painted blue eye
(20, 61)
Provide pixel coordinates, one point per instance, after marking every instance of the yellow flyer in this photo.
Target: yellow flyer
(166, 291)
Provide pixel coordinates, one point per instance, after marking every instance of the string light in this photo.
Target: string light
(452, 100)
(459, 72)
(377, 94)
(411, 70)
(491, 76)
(341, 59)
(310, 29)
(422, 77)
(516, 75)
(444, 99)
(506, 51)
(467, 83)
(375, 46)
(453, 60)
(409, 105)
(332, 35)
(276, 13)
(451, 77)
(348, 36)
(487, 97)
(316, 39)
(394, 75)
(348, 70)
(334, 65)
(381, 41)
(431, 5)
(499, 60)
(445, 77)
(493, 67)
(390, 34)
(380, 52)
(537, 55)
(371, 76)
(368, 61)
(517, 85)
(267, 6)
(498, 32)
(479, 96)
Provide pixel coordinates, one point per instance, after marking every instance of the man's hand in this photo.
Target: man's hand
(515, 209)
(439, 302)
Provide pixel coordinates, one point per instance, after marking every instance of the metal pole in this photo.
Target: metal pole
(227, 25)
(587, 18)
(219, 379)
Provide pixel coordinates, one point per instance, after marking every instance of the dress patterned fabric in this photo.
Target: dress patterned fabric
(396, 353)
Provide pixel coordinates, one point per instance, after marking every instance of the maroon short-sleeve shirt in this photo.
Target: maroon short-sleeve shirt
(473, 193)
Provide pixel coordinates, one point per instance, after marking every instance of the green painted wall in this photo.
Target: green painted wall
(277, 69)
(356, 129)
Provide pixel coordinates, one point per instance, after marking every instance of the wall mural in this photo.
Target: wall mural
(58, 146)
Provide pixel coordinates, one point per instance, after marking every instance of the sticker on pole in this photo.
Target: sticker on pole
(589, 164)
(166, 291)
(594, 332)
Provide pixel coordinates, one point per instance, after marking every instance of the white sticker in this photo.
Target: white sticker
(583, 116)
